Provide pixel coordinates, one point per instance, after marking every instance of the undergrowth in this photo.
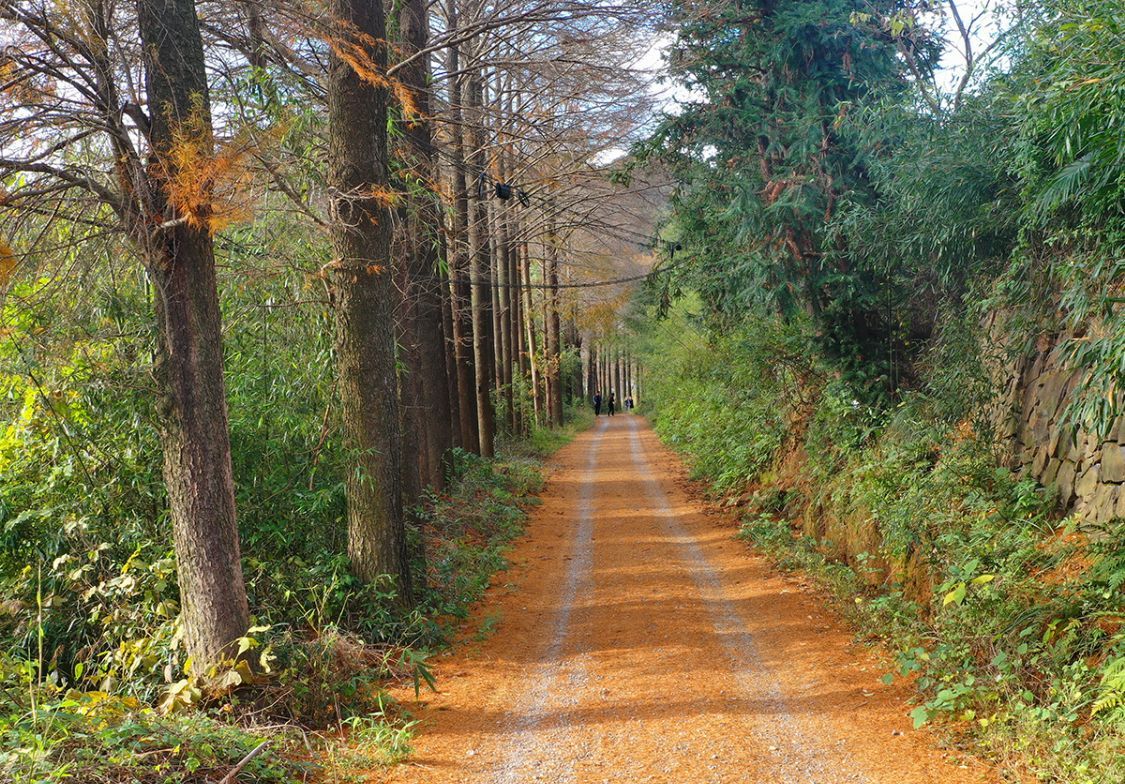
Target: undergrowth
(325, 652)
(1007, 616)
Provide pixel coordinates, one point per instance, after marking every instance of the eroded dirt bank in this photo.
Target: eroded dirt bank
(634, 640)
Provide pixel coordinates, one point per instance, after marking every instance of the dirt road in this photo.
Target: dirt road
(634, 640)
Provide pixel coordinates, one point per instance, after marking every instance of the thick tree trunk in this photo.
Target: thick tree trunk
(413, 458)
(194, 426)
(363, 299)
(425, 345)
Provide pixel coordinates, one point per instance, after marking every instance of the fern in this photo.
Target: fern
(1111, 699)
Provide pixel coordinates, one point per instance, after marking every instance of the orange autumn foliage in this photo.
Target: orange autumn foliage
(21, 88)
(205, 184)
(386, 197)
(8, 263)
(357, 49)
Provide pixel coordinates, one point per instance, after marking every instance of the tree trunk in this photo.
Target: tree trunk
(363, 298)
(450, 350)
(529, 320)
(574, 342)
(503, 263)
(619, 375)
(607, 377)
(461, 292)
(594, 382)
(425, 347)
(194, 428)
(519, 342)
(504, 291)
(495, 305)
(480, 268)
(513, 294)
(554, 336)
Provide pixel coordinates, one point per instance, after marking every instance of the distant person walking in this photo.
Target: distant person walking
(612, 400)
(598, 403)
(629, 404)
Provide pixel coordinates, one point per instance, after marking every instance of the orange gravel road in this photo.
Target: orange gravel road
(634, 640)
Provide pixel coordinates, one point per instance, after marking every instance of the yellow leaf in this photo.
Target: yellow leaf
(956, 596)
(7, 263)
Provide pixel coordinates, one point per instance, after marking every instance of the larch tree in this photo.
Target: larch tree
(179, 256)
(145, 155)
(480, 268)
(458, 231)
(363, 290)
(425, 349)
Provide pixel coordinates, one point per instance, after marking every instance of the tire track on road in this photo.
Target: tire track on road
(531, 758)
(794, 755)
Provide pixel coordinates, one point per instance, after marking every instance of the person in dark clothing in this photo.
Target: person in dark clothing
(629, 403)
(612, 400)
(598, 403)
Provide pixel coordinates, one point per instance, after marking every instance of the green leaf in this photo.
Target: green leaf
(920, 716)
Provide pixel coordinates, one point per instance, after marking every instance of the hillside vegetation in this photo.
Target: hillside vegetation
(875, 258)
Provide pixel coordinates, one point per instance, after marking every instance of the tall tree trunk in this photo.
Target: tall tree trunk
(480, 270)
(194, 428)
(513, 294)
(574, 342)
(494, 305)
(503, 263)
(364, 296)
(554, 336)
(503, 292)
(605, 374)
(450, 350)
(594, 352)
(519, 347)
(461, 292)
(412, 464)
(425, 347)
(529, 322)
(624, 376)
(618, 375)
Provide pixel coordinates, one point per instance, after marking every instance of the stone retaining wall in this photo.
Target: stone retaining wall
(1089, 472)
